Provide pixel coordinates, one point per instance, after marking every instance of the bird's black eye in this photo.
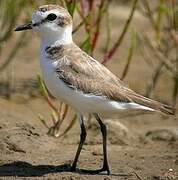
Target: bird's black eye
(51, 17)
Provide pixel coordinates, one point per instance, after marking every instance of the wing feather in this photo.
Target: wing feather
(81, 72)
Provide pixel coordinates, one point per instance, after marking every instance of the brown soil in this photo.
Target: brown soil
(141, 145)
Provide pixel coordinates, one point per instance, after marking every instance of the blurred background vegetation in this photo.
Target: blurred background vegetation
(158, 47)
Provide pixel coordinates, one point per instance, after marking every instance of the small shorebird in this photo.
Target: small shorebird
(74, 77)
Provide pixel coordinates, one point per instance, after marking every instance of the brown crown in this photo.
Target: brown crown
(66, 19)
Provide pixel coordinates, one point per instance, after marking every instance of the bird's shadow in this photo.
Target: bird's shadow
(24, 169)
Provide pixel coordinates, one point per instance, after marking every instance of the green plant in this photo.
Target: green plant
(163, 46)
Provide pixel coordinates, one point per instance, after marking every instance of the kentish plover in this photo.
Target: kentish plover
(79, 80)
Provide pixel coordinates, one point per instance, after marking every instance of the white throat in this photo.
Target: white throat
(54, 38)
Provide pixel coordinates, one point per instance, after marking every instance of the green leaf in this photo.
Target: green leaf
(86, 46)
(71, 6)
(42, 86)
(163, 8)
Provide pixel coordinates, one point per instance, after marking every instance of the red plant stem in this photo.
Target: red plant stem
(70, 126)
(84, 6)
(94, 41)
(174, 37)
(81, 13)
(98, 23)
(51, 104)
(111, 52)
(91, 2)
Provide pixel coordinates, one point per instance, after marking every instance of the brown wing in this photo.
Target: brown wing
(86, 65)
(80, 71)
(81, 82)
(109, 90)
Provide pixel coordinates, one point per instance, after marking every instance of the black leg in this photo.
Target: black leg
(104, 135)
(82, 140)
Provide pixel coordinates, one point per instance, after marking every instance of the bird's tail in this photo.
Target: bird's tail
(155, 105)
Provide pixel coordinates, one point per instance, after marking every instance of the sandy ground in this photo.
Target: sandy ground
(146, 145)
(141, 145)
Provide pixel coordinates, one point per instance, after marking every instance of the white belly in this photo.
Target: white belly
(79, 101)
(83, 103)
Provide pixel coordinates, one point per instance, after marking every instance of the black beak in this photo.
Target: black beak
(24, 27)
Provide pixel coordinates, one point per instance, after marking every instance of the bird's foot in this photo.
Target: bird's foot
(106, 168)
(73, 168)
(97, 171)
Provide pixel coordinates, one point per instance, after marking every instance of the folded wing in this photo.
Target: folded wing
(81, 72)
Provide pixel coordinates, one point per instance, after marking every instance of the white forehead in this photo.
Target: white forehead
(39, 15)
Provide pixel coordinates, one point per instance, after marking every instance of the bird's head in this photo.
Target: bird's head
(50, 21)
